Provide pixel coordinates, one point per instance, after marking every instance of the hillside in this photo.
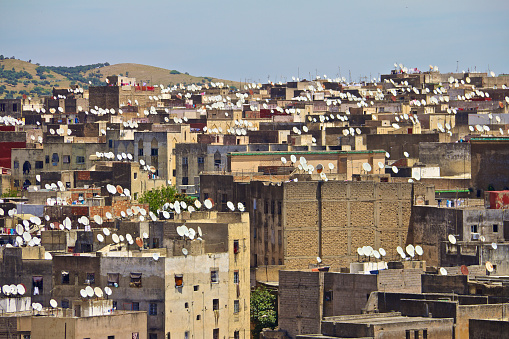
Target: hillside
(19, 77)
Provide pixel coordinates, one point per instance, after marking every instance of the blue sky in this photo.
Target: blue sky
(260, 39)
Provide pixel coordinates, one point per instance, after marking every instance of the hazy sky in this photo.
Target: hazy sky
(257, 39)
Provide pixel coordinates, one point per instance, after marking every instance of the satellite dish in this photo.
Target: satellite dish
(464, 270)
(107, 290)
(418, 250)
(208, 203)
(452, 239)
(145, 235)
(406, 154)
(283, 160)
(199, 231)
(184, 251)
(293, 158)
(399, 249)
(100, 237)
(366, 167)
(494, 245)
(115, 238)
(394, 169)
(382, 252)
(20, 289)
(53, 303)
(90, 291)
(98, 292)
(98, 220)
(109, 215)
(230, 205)
(142, 162)
(331, 166)
(367, 250)
(197, 203)
(489, 266)
(139, 242)
(119, 189)
(410, 250)
(180, 231)
(111, 189)
(83, 293)
(48, 256)
(106, 231)
(387, 155)
(318, 259)
(443, 271)
(376, 254)
(155, 256)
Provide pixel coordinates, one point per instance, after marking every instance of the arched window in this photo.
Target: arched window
(26, 167)
(140, 148)
(154, 148)
(55, 159)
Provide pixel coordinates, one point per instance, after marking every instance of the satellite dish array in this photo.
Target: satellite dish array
(89, 292)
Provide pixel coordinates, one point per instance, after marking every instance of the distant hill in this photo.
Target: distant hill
(19, 77)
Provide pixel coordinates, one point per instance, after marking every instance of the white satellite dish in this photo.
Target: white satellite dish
(331, 166)
(387, 155)
(381, 165)
(155, 256)
(53, 303)
(83, 293)
(376, 254)
(230, 205)
(145, 235)
(283, 160)
(199, 231)
(98, 292)
(418, 250)
(180, 231)
(406, 154)
(241, 207)
(443, 271)
(185, 251)
(394, 169)
(382, 252)
(106, 231)
(452, 239)
(494, 245)
(107, 290)
(90, 291)
(410, 250)
(208, 203)
(48, 256)
(366, 167)
(115, 238)
(197, 203)
(100, 237)
(20, 289)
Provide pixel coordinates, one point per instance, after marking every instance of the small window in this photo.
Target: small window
(37, 285)
(215, 333)
(110, 143)
(135, 280)
(179, 280)
(140, 152)
(236, 277)
(47, 159)
(65, 303)
(185, 181)
(114, 304)
(154, 152)
(135, 195)
(198, 317)
(424, 334)
(273, 207)
(473, 228)
(495, 228)
(39, 164)
(16, 164)
(135, 175)
(80, 159)
(214, 275)
(215, 304)
(111, 337)
(196, 287)
(55, 159)
(186, 305)
(279, 207)
(65, 277)
(328, 295)
(136, 335)
(113, 279)
(66, 159)
(201, 160)
(184, 160)
(236, 246)
(135, 306)
(152, 310)
(90, 279)
(236, 335)
(236, 306)
(152, 336)
(186, 335)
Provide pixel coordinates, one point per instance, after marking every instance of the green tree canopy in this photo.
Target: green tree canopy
(263, 310)
(157, 197)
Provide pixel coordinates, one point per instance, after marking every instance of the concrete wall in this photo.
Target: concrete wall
(467, 312)
(490, 163)
(452, 158)
(346, 293)
(396, 144)
(480, 329)
(300, 302)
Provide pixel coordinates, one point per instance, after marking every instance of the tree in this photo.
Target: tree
(263, 310)
(157, 197)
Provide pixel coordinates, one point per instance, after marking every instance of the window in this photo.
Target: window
(66, 159)
(196, 287)
(407, 334)
(154, 152)
(185, 181)
(140, 152)
(424, 334)
(184, 160)
(55, 159)
(279, 207)
(47, 159)
(236, 306)
(14, 107)
(217, 164)
(215, 333)
(236, 277)
(136, 335)
(215, 304)
(67, 184)
(214, 275)
(110, 143)
(136, 196)
(135, 306)
(16, 164)
(16, 183)
(416, 334)
(90, 279)
(111, 337)
(236, 246)
(80, 159)
(65, 303)
(135, 280)
(473, 228)
(495, 228)
(273, 207)
(328, 296)
(254, 233)
(65, 277)
(37, 285)
(135, 175)
(186, 305)
(236, 335)
(186, 335)
(266, 207)
(113, 279)
(201, 160)
(39, 164)
(114, 304)
(152, 336)
(198, 317)
(2, 107)
(152, 310)
(179, 280)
